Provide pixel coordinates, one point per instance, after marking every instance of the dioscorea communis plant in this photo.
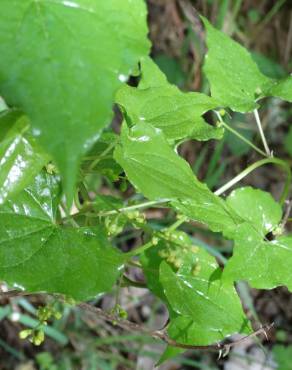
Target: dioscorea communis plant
(63, 65)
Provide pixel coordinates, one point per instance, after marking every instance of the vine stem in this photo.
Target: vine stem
(132, 208)
(103, 154)
(241, 137)
(223, 348)
(261, 131)
(182, 219)
(253, 167)
(140, 249)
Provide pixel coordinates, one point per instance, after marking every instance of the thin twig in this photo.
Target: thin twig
(287, 212)
(289, 42)
(223, 348)
(193, 17)
(236, 133)
(161, 334)
(261, 131)
(14, 294)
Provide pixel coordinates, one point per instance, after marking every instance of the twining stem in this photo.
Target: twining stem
(103, 154)
(241, 137)
(140, 249)
(261, 131)
(287, 213)
(181, 220)
(130, 208)
(256, 165)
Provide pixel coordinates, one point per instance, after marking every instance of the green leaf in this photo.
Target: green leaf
(207, 308)
(164, 106)
(268, 66)
(172, 69)
(203, 309)
(151, 260)
(257, 207)
(66, 85)
(282, 89)
(234, 76)
(170, 352)
(263, 263)
(103, 203)
(99, 160)
(235, 79)
(7, 120)
(237, 146)
(114, 223)
(36, 254)
(158, 172)
(3, 105)
(21, 159)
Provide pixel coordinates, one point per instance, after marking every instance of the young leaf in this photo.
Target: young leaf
(21, 159)
(66, 84)
(164, 106)
(38, 255)
(263, 263)
(158, 172)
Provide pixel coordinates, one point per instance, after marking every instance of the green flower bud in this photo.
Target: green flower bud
(38, 338)
(25, 333)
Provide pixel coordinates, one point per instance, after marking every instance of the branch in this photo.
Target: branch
(223, 348)
(161, 334)
(287, 212)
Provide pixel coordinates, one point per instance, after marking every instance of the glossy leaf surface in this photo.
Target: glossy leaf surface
(235, 79)
(203, 309)
(208, 309)
(264, 263)
(164, 106)
(38, 255)
(67, 83)
(257, 207)
(21, 159)
(158, 172)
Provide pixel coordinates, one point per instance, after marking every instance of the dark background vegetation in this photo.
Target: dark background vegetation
(80, 340)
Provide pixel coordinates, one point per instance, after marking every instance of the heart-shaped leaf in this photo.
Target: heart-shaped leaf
(61, 63)
(264, 263)
(36, 254)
